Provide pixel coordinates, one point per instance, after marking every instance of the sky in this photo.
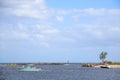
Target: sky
(59, 30)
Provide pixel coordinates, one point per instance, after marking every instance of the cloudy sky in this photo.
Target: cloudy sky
(59, 30)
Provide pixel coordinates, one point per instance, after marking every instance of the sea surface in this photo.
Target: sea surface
(60, 72)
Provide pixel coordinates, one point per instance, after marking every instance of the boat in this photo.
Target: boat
(29, 69)
(105, 66)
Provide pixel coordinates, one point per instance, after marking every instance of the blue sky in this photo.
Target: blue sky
(59, 30)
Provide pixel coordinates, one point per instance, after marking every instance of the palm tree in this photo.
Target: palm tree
(103, 56)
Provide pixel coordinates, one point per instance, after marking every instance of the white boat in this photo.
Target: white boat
(29, 69)
(105, 66)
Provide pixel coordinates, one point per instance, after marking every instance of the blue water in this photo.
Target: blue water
(60, 72)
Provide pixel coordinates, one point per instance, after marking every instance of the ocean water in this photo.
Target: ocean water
(60, 72)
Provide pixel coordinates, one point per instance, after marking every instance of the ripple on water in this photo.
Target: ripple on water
(60, 72)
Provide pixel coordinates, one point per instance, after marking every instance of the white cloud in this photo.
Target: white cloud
(92, 11)
(60, 18)
(77, 25)
(34, 9)
(52, 31)
(97, 12)
(114, 29)
(37, 9)
(21, 27)
(13, 35)
(40, 36)
(19, 35)
(45, 44)
(47, 29)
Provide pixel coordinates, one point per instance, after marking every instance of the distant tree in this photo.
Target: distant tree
(103, 56)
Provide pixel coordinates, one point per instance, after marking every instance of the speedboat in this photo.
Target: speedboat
(105, 66)
(29, 69)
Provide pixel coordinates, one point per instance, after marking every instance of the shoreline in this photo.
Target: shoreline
(111, 66)
(115, 66)
(96, 65)
(99, 65)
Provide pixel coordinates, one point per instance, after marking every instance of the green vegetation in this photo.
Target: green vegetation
(113, 63)
(103, 56)
(87, 65)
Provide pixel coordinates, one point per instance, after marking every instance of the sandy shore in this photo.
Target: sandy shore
(115, 66)
(111, 66)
